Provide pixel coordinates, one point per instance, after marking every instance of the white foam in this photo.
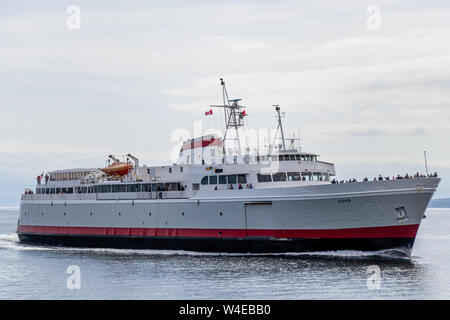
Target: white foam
(11, 241)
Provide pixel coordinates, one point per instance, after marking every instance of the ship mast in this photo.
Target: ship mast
(234, 115)
(280, 125)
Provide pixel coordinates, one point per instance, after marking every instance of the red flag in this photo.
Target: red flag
(208, 113)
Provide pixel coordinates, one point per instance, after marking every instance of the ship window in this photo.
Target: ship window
(181, 168)
(317, 176)
(326, 177)
(170, 170)
(58, 190)
(293, 176)
(297, 157)
(204, 180)
(306, 176)
(292, 157)
(232, 179)
(70, 190)
(160, 186)
(212, 179)
(147, 187)
(132, 188)
(264, 177)
(242, 178)
(280, 158)
(286, 157)
(279, 176)
(172, 186)
(154, 187)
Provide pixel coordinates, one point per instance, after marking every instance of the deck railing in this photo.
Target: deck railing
(109, 196)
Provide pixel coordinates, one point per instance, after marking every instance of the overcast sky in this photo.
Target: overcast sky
(370, 100)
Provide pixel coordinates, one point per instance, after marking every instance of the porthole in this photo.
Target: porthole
(119, 213)
(149, 213)
(182, 213)
(221, 213)
(90, 214)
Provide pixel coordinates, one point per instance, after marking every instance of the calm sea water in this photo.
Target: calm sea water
(39, 272)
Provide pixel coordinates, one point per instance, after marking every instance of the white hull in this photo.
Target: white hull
(364, 215)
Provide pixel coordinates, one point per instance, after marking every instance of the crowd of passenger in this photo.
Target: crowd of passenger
(381, 178)
(230, 187)
(39, 178)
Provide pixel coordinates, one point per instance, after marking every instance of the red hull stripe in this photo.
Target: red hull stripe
(407, 231)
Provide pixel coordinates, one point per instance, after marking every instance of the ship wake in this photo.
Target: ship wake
(11, 241)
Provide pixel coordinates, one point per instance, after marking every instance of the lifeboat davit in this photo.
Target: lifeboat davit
(118, 169)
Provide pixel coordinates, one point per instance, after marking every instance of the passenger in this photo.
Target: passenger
(387, 178)
(251, 186)
(247, 186)
(240, 186)
(38, 180)
(365, 179)
(46, 178)
(215, 188)
(231, 187)
(380, 178)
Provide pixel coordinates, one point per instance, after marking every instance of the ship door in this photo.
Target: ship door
(258, 215)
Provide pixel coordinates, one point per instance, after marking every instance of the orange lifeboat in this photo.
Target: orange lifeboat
(118, 169)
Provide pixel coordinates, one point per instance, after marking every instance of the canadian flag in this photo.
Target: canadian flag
(208, 113)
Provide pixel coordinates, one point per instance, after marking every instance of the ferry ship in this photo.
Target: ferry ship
(210, 200)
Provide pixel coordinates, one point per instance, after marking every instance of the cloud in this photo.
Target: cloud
(378, 132)
(137, 71)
